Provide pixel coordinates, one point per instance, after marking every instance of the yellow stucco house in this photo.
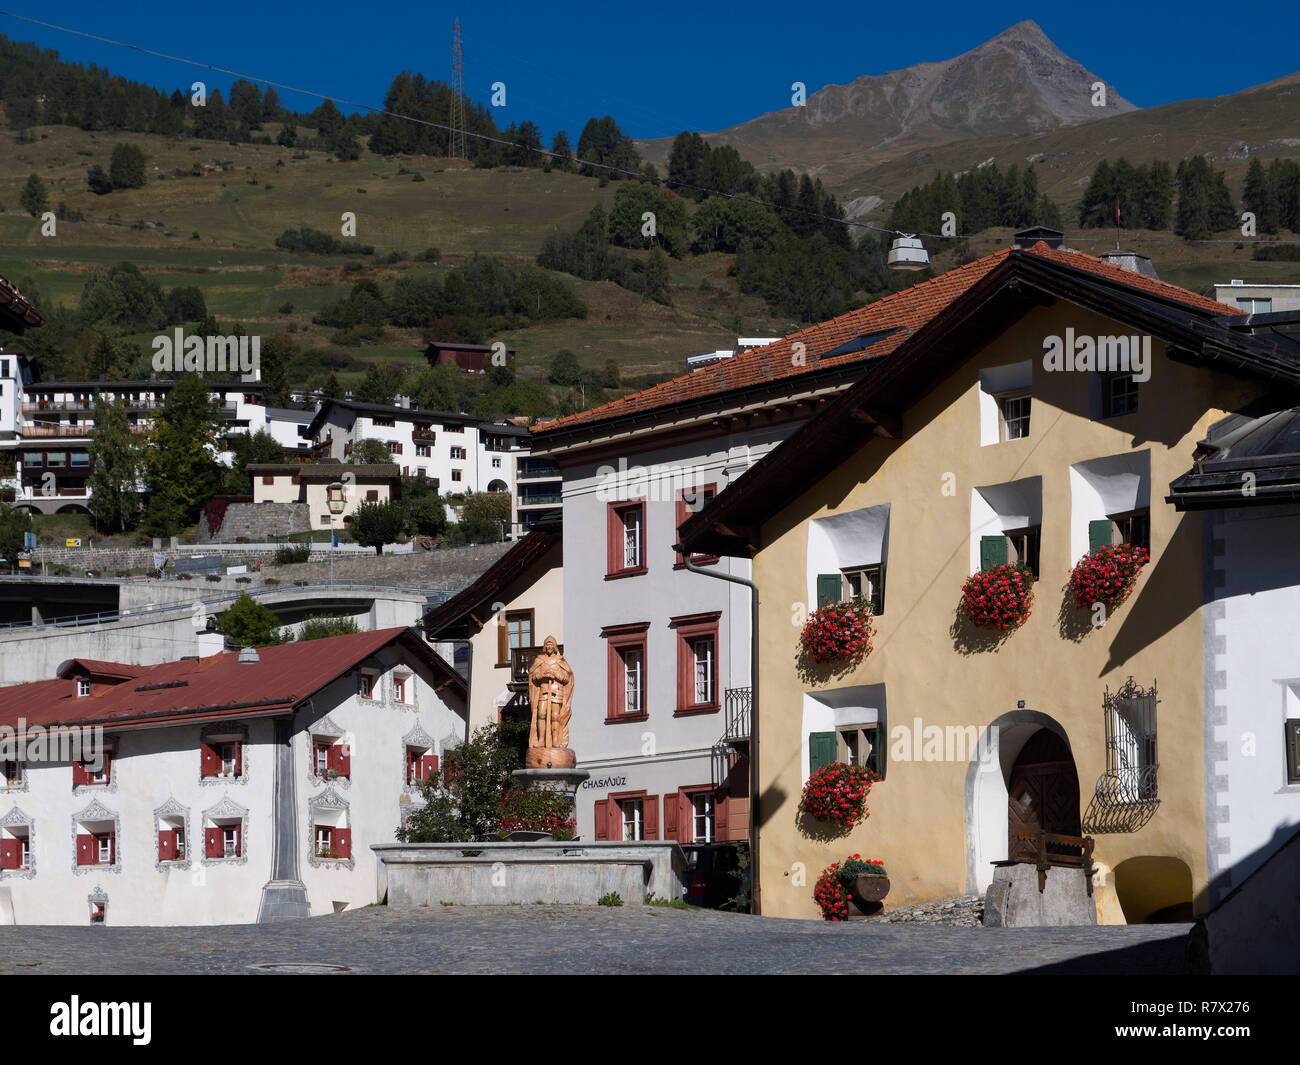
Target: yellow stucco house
(1003, 426)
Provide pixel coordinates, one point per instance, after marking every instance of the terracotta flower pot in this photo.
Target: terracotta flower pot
(867, 890)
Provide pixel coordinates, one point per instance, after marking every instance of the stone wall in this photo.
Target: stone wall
(257, 522)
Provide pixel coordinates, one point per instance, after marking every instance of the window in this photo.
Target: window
(87, 773)
(858, 745)
(626, 697)
(323, 838)
(1256, 305)
(423, 451)
(1292, 739)
(222, 758)
(514, 630)
(95, 846)
(366, 684)
(33, 458)
(12, 772)
(1119, 395)
(81, 458)
(1131, 528)
(457, 452)
(420, 765)
(104, 849)
(455, 475)
(171, 841)
(702, 817)
(496, 464)
(330, 760)
(867, 582)
(15, 848)
(394, 447)
(229, 841)
(1018, 546)
(56, 458)
(697, 662)
(400, 682)
(691, 501)
(633, 816)
(321, 757)
(1014, 410)
(372, 495)
(83, 687)
(626, 549)
(383, 423)
(24, 852)
(453, 428)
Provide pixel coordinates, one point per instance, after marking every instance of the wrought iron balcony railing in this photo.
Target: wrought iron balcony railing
(736, 707)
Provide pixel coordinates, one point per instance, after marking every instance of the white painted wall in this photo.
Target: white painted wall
(998, 507)
(856, 538)
(1115, 484)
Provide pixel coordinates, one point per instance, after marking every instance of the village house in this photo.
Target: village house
(237, 788)
(961, 452)
(314, 483)
(664, 652)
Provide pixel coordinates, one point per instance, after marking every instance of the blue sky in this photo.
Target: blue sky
(657, 68)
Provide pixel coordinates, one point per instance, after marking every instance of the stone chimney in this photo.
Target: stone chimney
(1130, 260)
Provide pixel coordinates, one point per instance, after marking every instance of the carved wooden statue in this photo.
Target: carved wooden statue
(550, 692)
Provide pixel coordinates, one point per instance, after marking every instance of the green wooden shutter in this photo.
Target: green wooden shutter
(878, 603)
(828, 588)
(1292, 751)
(821, 750)
(993, 551)
(1099, 533)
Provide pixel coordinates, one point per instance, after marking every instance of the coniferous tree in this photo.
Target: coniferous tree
(115, 469)
(1259, 197)
(33, 198)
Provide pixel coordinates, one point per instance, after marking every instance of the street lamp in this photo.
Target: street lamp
(335, 501)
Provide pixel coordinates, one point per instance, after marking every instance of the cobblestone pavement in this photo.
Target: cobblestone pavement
(574, 939)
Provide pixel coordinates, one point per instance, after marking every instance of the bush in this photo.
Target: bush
(320, 628)
(612, 898)
(285, 556)
(250, 624)
(537, 810)
(461, 800)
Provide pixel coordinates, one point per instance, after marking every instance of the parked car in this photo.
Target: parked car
(714, 876)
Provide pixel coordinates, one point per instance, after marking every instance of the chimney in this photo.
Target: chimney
(1027, 238)
(1130, 260)
(249, 655)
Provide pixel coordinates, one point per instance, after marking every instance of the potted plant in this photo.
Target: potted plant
(838, 792)
(327, 852)
(1000, 597)
(857, 880)
(1106, 575)
(839, 631)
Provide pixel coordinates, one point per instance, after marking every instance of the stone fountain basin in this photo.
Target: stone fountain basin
(503, 872)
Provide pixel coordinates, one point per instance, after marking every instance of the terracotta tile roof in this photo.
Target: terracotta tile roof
(212, 687)
(905, 311)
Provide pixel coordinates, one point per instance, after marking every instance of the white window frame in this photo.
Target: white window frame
(228, 764)
(104, 848)
(707, 815)
(631, 520)
(1014, 426)
(636, 808)
(703, 667)
(83, 687)
(229, 840)
(633, 679)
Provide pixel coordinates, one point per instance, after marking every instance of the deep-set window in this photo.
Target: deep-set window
(1013, 408)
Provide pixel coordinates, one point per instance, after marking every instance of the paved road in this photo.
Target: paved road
(573, 939)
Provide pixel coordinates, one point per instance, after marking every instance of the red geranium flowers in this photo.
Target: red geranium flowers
(999, 598)
(1107, 574)
(838, 792)
(839, 630)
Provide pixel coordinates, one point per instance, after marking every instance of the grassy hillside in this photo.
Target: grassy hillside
(217, 231)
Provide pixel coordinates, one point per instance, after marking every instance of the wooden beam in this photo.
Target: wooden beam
(886, 425)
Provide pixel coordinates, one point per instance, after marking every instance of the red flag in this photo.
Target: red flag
(1117, 212)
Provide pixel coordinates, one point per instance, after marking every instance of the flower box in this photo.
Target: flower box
(860, 881)
(839, 631)
(1000, 597)
(1106, 575)
(838, 792)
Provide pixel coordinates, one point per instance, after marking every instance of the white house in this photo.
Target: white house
(238, 788)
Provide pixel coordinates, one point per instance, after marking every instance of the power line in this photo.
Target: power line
(455, 132)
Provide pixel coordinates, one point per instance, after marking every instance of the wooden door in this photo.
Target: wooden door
(1042, 794)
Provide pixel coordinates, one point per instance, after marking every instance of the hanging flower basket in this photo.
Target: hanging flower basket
(856, 879)
(999, 598)
(839, 631)
(1107, 574)
(838, 792)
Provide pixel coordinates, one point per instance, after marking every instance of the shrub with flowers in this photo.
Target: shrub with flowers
(839, 630)
(831, 892)
(536, 811)
(999, 598)
(838, 792)
(1107, 574)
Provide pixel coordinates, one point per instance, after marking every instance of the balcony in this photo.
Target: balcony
(538, 469)
(424, 436)
(736, 709)
(534, 499)
(521, 661)
(52, 430)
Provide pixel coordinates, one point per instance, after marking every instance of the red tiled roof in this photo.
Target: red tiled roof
(215, 686)
(909, 309)
(99, 668)
(15, 310)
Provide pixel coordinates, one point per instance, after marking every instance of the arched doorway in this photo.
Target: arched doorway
(1042, 792)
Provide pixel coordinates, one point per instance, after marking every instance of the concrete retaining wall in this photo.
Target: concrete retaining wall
(256, 522)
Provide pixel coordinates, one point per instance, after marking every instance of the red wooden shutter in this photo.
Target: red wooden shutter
(614, 812)
(112, 847)
(209, 763)
(670, 816)
(721, 830)
(239, 840)
(166, 844)
(85, 849)
(683, 512)
(340, 759)
(650, 816)
(428, 767)
(412, 766)
(108, 767)
(341, 840)
(602, 821)
(239, 759)
(214, 846)
(10, 853)
(79, 774)
(685, 819)
(615, 542)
